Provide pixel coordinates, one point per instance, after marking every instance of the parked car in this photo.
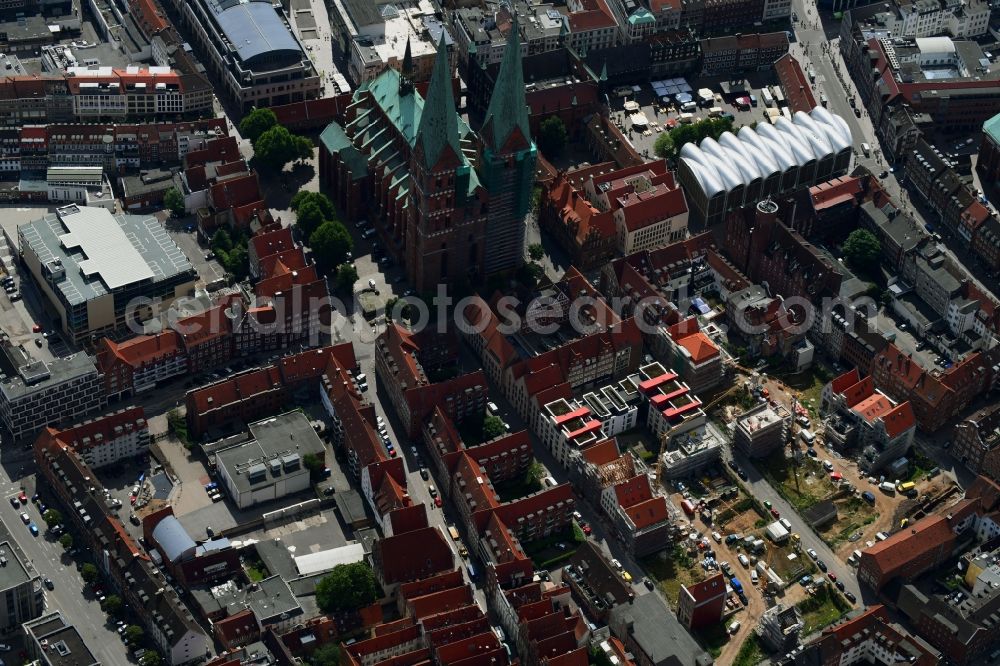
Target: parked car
(34, 529)
(822, 565)
(812, 553)
(850, 597)
(25, 518)
(648, 583)
(14, 503)
(424, 474)
(49, 584)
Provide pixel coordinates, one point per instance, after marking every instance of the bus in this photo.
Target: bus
(906, 487)
(453, 533)
(779, 95)
(766, 97)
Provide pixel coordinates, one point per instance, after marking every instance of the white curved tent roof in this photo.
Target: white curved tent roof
(738, 159)
(795, 139)
(837, 127)
(747, 169)
(766, 164)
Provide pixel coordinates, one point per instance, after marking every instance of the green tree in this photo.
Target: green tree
(173, 200)
(52, 517)
(492, 427)
(328, 655)
(530, 274)
(277, 147)
(664, 146)
(309, 217)
(112, 604)
(330, 244)
(347, 275)
(221, 241)
(303, 197)
(255, 123)
(552, 136)
(303, 147)
(66, 540)
(236, 262)
(347, 587)
(88, 572)
(315, 464)
(134, 634)
(150, 658)
(862, 249)
(536, 251)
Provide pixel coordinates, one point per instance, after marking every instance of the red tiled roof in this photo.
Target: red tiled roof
(633, 491)
(873, 407)
(707, 589)
(650, 512)
(100, 429)
(905, 546)
(394, 555)
(845, 381)
(833, 192)
(899, 420)
(601, 452)
(574, 209)
(798, 90)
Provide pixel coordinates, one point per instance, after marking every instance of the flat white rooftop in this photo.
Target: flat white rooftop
(109, 253)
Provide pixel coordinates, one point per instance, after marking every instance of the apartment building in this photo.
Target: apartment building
(977, 442)
(762, 429)
(908, 553)
(106, 439)
(35, 394)
(871, 637)
(53, 641)
(702, 605)
(252, 50)
(20, 586)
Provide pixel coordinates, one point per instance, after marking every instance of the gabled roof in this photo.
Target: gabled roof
(845, 381)
(899, 420)
(910, 544)
(438, 127)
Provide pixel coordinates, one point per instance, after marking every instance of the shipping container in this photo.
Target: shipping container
(688, 507)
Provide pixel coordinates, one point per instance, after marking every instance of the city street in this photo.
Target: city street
(46, 555)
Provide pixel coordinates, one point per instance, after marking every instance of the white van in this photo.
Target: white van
(807, 436)
(686, 118)
(887, 487)
(734, 627)
(827, 465)
(866, 149)
(787, 524)
(743, 560)
(715, 111)
(753, 576)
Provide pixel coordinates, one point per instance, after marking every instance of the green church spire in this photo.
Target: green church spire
(508, 109)
(439, 119)
(406, 72)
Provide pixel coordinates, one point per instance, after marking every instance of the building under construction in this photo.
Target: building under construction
(762, 429)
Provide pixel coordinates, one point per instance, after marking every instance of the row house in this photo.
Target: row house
(977, 442)
(246, 396)
(746, 52)
(402, 360)
(587, 234)
(106, 439)
(870, 637)
(505, 458)
(880, 428)
(169, 625)
(935, 396)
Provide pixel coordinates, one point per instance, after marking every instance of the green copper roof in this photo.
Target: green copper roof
(641, 15)
(438, 125)
(992, 128)
(403, 111)
(508, 109)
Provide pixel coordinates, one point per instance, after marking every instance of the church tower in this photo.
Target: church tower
(507, 161)
(446, 217)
